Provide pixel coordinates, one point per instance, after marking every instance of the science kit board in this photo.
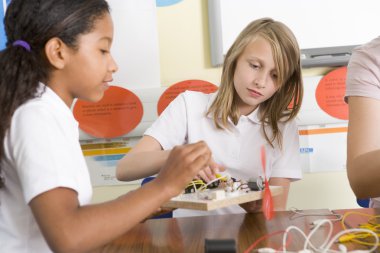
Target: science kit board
(211, 199)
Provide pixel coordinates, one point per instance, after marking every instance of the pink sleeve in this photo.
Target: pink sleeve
(363, 73)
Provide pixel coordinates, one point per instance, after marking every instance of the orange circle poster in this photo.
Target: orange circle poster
(116, 114)
(174, 90)
(330, 94)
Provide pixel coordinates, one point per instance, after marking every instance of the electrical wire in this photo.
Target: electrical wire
(361, 237)
(194, 184)
(254, 244)
(319, 224)
(299, 214)
(325, 247)
(352, 230)
(211, 182)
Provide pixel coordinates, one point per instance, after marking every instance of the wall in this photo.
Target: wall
(185, 54)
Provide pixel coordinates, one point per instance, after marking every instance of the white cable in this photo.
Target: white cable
(307, 238)
(288, 229)
(327, 244)
(342, 248)
(318, 225)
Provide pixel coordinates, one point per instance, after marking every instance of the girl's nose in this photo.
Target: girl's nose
(260, 81)
(113, 65)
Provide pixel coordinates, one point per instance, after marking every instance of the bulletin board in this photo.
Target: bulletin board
(326, 30)
(323, 121)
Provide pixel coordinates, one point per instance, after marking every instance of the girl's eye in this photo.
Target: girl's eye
(274, 76)
(103, 51)
(254, 66)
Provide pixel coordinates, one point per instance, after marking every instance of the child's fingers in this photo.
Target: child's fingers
(203, 176)
(210, 172)
(197, 151)
(215, 167)
(219, 168)
(182, 165)
(207, 174)
(194, 162)
(201, 162)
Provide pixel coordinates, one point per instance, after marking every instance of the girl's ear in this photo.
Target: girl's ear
(56, 52)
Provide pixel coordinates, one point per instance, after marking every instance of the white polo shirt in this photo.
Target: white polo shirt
(42, 153)
(237, 149)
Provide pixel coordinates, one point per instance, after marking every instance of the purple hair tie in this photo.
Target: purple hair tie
(23, 44)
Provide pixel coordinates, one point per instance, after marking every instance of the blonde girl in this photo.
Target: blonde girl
(258, 99)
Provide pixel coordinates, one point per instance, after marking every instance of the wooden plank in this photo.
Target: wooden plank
(191, 200)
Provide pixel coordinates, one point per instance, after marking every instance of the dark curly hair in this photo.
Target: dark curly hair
(36, 22)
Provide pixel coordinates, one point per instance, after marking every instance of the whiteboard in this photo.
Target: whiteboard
(332, 26)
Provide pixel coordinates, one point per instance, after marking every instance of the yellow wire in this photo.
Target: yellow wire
(196, 182)
(218, 178)
(202, 184)
(355, 237)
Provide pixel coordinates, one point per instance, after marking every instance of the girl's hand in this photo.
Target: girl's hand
(182, 166)
(208, 173)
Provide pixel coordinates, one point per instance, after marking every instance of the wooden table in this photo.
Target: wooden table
(189, 234)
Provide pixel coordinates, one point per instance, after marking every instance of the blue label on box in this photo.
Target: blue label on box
(306, 150)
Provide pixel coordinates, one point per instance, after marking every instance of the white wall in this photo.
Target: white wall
(322, 190)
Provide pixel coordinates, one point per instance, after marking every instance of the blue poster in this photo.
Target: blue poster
(3, 4)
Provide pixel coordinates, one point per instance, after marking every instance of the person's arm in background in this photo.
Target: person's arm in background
(363, 146)
(147, 158)
(280, 200)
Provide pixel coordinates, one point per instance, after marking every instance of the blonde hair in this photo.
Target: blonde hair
(286, 55)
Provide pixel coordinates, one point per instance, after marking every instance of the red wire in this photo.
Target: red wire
(254, 244)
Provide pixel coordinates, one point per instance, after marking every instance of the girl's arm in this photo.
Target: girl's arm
(278, 201)
(69, 227)
(363, 146)
(145, 159)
